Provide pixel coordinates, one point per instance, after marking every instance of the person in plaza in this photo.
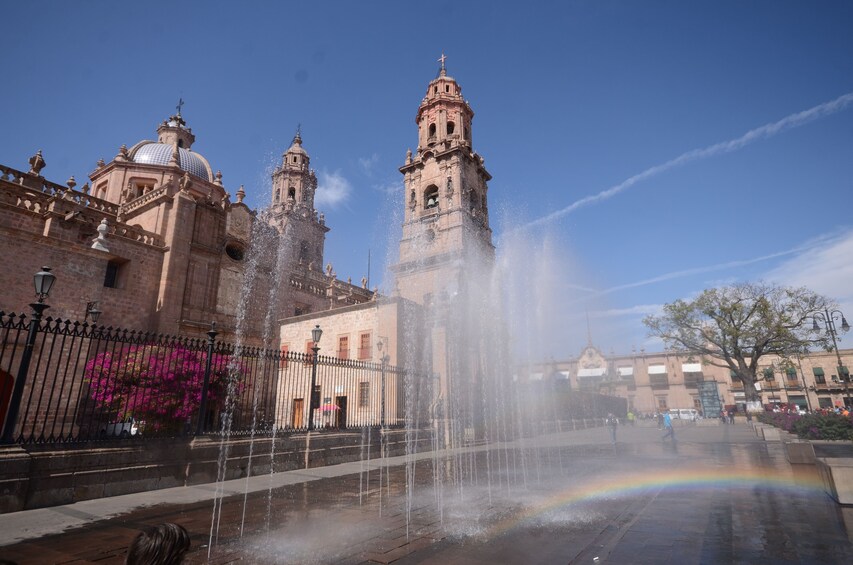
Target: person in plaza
(667, 425)
(165, 544)
(631, 417)
(612, 422)
(660, 420)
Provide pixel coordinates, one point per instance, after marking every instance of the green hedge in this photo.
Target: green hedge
(812, 426)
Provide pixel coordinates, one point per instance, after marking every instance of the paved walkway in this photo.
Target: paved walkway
(717, 495)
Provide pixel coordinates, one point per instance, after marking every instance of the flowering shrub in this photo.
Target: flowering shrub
(159, 386)
(812, 426)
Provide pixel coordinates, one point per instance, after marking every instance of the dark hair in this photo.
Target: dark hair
(165, 544)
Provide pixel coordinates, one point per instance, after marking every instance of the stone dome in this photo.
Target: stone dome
(296, 146)
(152, 153)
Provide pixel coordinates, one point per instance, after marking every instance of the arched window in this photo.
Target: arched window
(432, 130)
(303, 251)
(450, 128)
(277, 194)
(431, 197)
(291, 193)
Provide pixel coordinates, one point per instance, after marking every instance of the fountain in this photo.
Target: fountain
(476, 433)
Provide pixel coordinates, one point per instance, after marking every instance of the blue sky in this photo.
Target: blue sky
(571, 99)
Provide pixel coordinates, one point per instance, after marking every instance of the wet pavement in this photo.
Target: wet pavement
(717, 495)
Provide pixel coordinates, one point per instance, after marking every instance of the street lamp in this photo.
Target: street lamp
(383, 358)
(43, 282)
(829, 317)
(314, 398)
(805, 388)
(92, 312)
(770, 378)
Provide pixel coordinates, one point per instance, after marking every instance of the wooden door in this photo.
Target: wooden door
(297, 414)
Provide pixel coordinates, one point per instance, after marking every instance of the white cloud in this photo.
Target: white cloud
(826, 268)
(368, 163)
(332, 189)
(390, 188)
(638, 310)
(805, 250)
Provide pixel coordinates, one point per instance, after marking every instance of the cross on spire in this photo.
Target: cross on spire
(441, 60)
(180, 105)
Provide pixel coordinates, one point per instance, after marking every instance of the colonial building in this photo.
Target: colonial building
(652, 382)
(154, 241)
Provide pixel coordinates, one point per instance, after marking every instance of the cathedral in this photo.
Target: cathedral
(153, 241)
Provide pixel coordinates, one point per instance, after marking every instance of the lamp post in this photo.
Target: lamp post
(806, 389)
(770, 379)
(43, 281)
(202, 406)
(314, 398)
(829, 317)
(383, 359)
(92, 312)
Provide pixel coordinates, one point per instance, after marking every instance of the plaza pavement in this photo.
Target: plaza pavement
(716, 495)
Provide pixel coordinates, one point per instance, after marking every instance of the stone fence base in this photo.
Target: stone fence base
(33, 476)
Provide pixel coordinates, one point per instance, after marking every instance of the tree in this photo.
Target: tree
(735, 326)
(160, 386)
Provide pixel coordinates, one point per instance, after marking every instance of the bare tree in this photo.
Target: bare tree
(735, 326)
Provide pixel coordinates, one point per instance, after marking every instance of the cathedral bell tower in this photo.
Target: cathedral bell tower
(446, 228)
(293, 187)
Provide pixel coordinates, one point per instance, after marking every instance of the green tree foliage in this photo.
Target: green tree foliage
(734, 326)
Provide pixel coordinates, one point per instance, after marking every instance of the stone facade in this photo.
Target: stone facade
(364, 333)
(660, 381)
(173, 256)
(446, 230)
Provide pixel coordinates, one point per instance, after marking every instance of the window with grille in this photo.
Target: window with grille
(363, 394)
(343, 347)
(364, 351)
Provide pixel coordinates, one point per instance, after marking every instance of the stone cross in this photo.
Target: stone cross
(180, 105)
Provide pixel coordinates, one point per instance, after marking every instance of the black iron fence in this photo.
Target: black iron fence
(66, 381)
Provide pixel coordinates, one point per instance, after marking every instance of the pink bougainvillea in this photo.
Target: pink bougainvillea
(159, 386)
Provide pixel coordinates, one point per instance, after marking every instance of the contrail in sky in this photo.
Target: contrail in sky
(764, 132)
(813, 244)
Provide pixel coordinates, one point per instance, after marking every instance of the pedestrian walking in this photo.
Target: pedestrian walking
(660, 420)
(612, 422)
(667, 425)
(631, 418)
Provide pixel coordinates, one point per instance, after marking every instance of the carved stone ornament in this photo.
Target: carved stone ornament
(37, 163)
(100, 243)
(185, 182)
